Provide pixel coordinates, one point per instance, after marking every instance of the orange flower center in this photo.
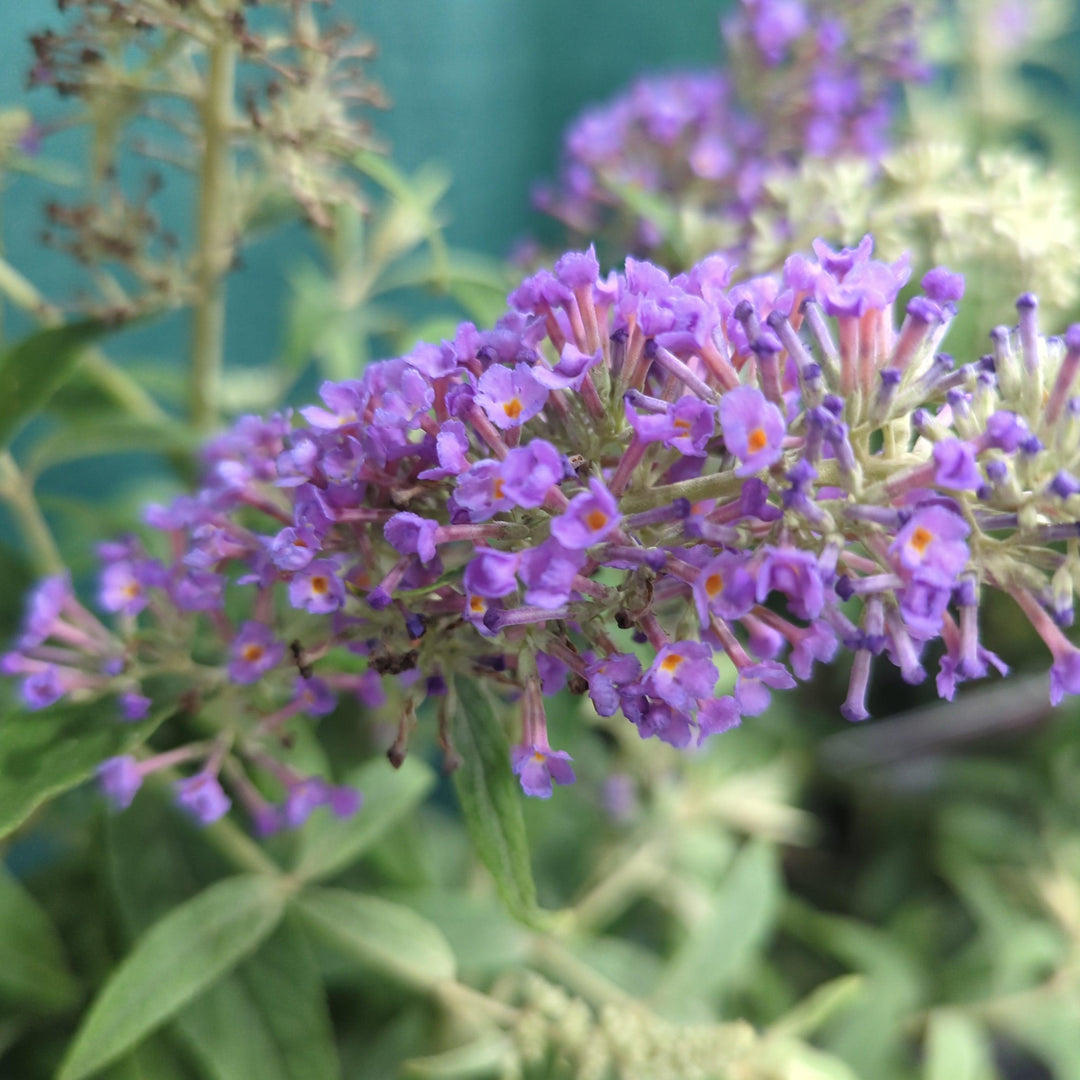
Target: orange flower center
(497, 487)
(512, 408)
(714, 583)
(476, 604)
(131, 590)
(681, 425)
(319, 584)
(538, 756)
(670, 663)
(252, 653)
(920, 539)
(757, 440)
(596, 520)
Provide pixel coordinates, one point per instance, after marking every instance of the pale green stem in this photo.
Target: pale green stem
(560, 963)
(212, 232)
(19, 496)
(116, 383)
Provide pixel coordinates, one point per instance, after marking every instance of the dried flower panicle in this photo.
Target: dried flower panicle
(642, 487)
(285, 95)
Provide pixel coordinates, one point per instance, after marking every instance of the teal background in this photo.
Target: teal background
(482, 86)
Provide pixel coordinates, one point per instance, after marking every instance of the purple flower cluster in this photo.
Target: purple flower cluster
(670, 494)
(808, 77)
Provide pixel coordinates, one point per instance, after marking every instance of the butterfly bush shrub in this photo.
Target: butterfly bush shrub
(634, 485)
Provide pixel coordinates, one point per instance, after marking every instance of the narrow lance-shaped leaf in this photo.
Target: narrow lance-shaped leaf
(178, 958)
(33, 970)
(491, 800)
(45, 753)
(384, 937)
(741, 916)
(328, 844)
(33, 369)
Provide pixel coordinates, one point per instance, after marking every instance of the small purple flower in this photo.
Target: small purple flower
(932, 545)
(317, 588)
(529, 473)
(202, 798)
(481, 491)
(293, 548)
(794, 573)
(552, 672)
(754, 683)
(510, 396)
(411, 534)
(255, 651)
(956, 466)
(724, 587)
(607, 676)
(681, 673)
(577, 269)
(589, 518)
(451, 448)
(198, 590)
(119, 779)
(134, 706)
(569, 373)
(686, 426)
(303, 798)
(538, 766)
(44, 606)
(817, 643)
(490, 573)
(942, 286)
(121, 589)
(548, 572)
(1064, 674)
(753, 429)
(43, 688)
(315, 696)
(717, 715)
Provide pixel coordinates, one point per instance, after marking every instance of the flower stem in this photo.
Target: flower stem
(19, 496)
(213, 226)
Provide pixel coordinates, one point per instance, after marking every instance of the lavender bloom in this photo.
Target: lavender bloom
(538, 549)
(254, 652)
(538, 767)
(548, 573)
(589, 518)
(317, 588)
(510, 397)
(753, 429)
(529, 473)
(134, 706)
(202, 797)
(119, 779)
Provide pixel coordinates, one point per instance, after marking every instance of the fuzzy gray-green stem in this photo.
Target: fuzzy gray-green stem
(212, 253)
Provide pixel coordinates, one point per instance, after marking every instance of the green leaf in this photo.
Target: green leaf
(32, 370)
(740, 918)
(46, 752)
(178, 958)
(957, 1048)
(328, 844)
(111, 435)
(388, 938)
(491, 800)
(32, 966)
(268, 1018)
